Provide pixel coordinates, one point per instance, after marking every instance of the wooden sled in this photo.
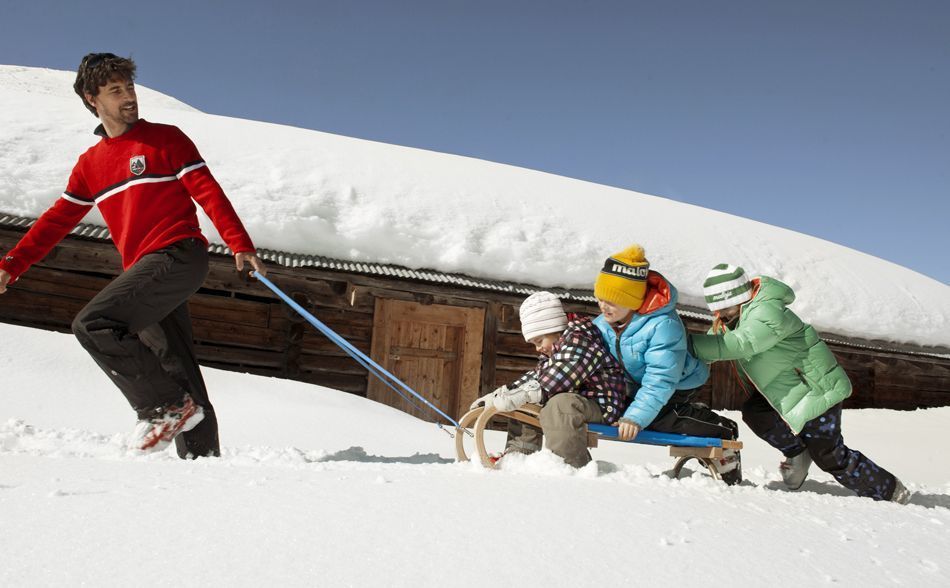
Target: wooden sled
(705, 450)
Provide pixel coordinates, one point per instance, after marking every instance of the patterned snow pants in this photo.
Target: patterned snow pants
(822, 438)
(139, 332)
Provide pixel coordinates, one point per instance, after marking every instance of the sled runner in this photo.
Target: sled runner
(683, 447)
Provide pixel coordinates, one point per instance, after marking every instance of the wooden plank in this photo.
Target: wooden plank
(317, 346)
(237, 334)
(237, 356)
(519, 364)
(231, 310)
(505, 377)
(324, 363)
(319, 292)
(508, 321)
(39, 279)
(349, 331)
(425, 293)
(489, 332)
(43, 310)
(426, 314)
(471, 364)
(91, 256)
(397, 350)
(707, 452)
(592, 439)
(380, 342)
(513, 344)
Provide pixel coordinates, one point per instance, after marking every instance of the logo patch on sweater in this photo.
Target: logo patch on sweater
(137, 164)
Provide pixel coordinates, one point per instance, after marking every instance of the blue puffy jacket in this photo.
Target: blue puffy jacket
(652, 348)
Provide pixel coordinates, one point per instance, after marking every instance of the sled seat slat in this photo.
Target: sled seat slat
(669, 439)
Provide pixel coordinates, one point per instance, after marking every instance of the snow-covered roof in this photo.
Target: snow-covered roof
(347, 199)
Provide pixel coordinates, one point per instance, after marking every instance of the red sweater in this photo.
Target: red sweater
(143, 182)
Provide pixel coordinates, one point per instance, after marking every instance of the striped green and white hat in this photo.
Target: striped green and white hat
(726, 285)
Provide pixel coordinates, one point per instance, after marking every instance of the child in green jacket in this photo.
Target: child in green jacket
(795, 384)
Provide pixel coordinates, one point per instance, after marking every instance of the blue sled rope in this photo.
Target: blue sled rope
(655, 438)
(364, 360)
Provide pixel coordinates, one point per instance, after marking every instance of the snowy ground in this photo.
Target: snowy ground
(317, 487)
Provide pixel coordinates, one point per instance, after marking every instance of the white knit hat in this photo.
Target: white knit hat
(542, 313)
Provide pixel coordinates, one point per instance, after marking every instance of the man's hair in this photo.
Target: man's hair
(97, 70)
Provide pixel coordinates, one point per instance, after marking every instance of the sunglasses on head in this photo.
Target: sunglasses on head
(94, 59)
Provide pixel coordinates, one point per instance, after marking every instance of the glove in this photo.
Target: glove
(488, 398)
(509, 400)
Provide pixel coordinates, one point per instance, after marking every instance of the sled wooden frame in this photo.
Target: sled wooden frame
(478, 418)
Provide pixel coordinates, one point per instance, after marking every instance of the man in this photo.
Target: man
(143, 177)
(794, 382)
(641, 329)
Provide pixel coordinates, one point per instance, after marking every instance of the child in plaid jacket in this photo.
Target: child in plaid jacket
(579, 363)
(577, 381)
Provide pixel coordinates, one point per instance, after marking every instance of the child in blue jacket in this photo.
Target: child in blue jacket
(640, 327)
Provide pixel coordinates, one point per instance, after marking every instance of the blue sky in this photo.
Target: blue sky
(829, 118)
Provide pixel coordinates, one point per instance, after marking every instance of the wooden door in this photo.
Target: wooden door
(435, 349)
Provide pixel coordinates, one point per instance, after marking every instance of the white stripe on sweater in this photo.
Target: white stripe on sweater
(66, 196)
(190, 168)
(138, 182)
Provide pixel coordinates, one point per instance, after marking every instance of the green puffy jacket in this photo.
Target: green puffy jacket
(781, 355)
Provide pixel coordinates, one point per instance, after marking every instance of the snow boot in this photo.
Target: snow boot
(157, 431)
(795, 469)
(901, 494)
(729, 467)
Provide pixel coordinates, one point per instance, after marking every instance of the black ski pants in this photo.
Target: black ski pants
(139, 332)
(821, 438)
(683, 417)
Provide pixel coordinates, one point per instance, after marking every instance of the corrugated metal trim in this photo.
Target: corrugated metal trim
(422, 275)
(81, 230)
(294, 260)
(895, 348)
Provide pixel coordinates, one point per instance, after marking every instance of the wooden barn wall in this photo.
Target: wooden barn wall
(240, 325)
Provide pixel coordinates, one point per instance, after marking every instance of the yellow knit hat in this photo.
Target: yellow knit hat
(623, 280)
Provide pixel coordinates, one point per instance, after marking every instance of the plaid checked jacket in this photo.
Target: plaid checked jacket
(581, 364)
